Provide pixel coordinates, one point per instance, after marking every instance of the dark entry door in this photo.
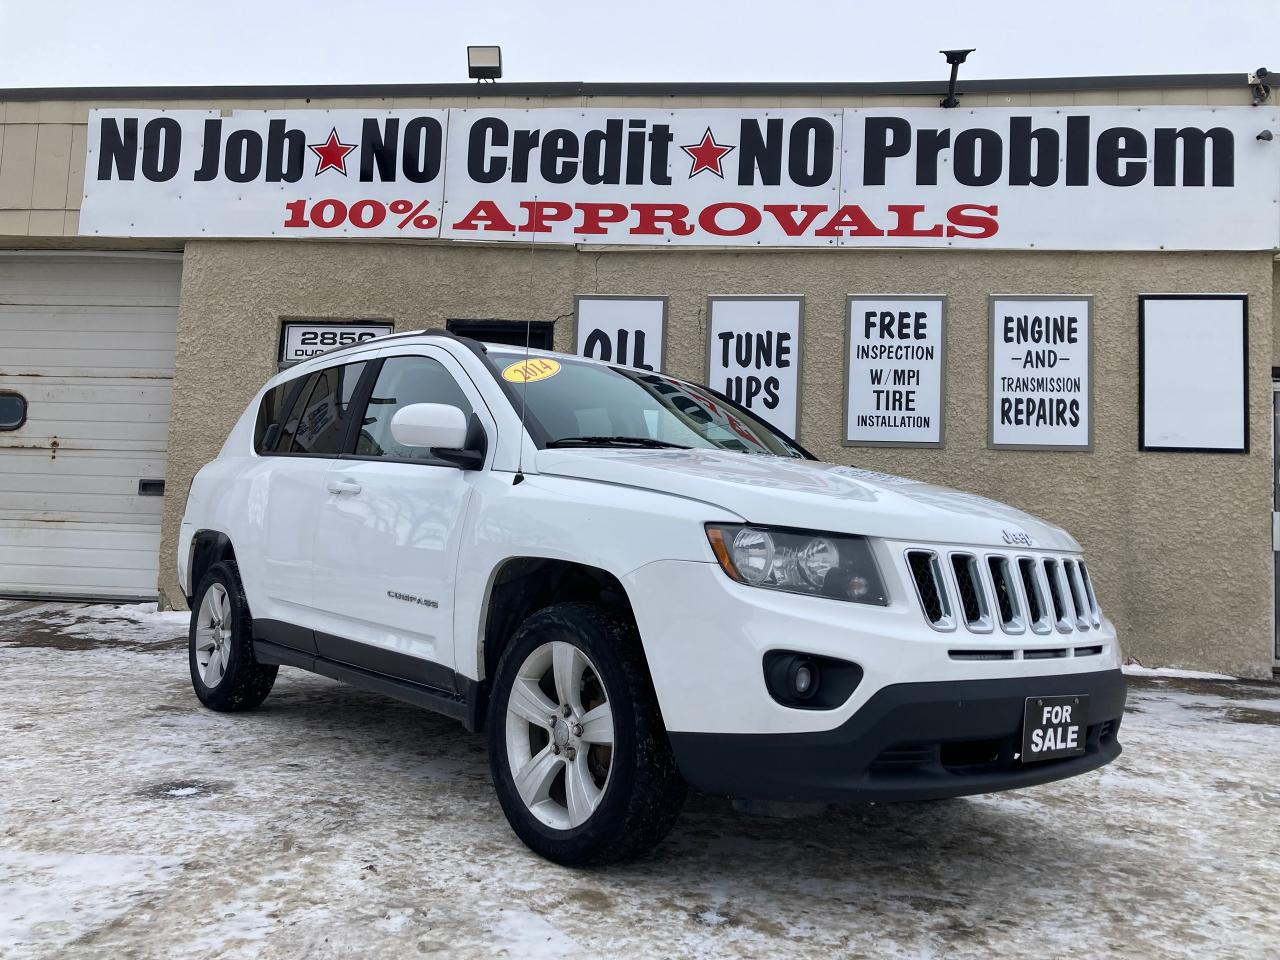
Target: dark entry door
(512, 332)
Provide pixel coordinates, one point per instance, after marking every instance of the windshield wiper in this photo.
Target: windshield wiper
(646, 442)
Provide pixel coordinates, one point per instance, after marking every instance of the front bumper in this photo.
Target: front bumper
(909, 741)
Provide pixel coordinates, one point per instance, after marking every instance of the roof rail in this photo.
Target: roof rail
(470, 343)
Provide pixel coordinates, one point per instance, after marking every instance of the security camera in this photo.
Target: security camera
(1258, 85)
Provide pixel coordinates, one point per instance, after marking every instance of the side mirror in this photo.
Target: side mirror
(444, 430)
(429, 425)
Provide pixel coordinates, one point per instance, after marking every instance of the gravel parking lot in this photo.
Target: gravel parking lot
(334, 823)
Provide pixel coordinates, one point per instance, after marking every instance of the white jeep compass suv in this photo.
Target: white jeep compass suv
(633, 584)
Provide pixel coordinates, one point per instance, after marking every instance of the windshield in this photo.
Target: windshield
(591, 404)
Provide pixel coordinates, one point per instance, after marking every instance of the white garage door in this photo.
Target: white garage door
(87, 343)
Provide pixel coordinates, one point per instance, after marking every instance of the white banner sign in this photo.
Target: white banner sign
(753, 355)
(264, 173)
(1075, 178)
(1041, 372)
(626, 330)
(895, 373)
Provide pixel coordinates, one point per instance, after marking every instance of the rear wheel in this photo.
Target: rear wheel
(224, 672)
(580, 759)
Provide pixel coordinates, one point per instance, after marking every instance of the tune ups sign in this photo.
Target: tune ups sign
(1104, 178)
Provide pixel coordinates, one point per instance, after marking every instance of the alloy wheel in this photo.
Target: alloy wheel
(559, 735)
(213, 635)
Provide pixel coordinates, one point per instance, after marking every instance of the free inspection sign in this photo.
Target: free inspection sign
(895, 373)
(1079, 178)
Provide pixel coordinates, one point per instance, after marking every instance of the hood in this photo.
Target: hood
(779, 491)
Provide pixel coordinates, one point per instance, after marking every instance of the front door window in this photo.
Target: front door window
(402, 381)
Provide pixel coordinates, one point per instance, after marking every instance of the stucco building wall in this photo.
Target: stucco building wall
(1178, 543)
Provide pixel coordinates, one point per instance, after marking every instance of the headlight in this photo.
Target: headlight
(832, 565)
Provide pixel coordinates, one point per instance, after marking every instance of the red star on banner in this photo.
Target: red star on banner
(707, 155)
(332, 153)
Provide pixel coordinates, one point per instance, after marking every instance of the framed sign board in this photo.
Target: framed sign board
(894, 371)
(626, 330)
(1193, 373)
(1041, 373)
(303, 339)
(753, 355)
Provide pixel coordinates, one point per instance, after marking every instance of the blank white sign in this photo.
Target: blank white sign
(1193, 373)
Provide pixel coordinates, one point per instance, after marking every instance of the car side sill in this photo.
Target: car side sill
(460, 706)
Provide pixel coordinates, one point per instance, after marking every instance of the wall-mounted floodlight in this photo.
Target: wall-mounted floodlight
(955, 58)
(484, 63)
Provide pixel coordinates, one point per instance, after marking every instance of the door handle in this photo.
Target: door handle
(343, 485)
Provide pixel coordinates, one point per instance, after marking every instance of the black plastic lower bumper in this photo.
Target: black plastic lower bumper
(910, 741)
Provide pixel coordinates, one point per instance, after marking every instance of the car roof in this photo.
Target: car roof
(321, 360)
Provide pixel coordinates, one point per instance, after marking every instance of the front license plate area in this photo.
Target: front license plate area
(1054, 727)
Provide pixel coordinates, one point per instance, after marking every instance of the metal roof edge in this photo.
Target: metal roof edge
(591, 89)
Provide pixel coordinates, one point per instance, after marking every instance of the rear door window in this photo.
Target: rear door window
(317, 423)
(266, 432)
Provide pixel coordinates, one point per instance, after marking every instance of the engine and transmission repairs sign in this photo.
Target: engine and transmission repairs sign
(895, 373)
(1041, 372)
(1087, 178)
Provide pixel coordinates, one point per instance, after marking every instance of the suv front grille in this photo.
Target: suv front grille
(1006, 593)
(1031, 588)
(1051, 575)
(927, 575)
(1044, 595)
(973, 602)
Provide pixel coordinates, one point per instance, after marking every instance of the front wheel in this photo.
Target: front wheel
(224, 672)
(580, 759)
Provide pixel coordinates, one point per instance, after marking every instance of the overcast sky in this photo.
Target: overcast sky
(130, 42)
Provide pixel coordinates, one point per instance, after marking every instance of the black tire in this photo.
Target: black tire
(244, 683)
(644, 791)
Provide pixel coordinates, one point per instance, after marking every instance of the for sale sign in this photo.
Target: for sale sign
(895, 373)
(1095, 178)
(1041, 372)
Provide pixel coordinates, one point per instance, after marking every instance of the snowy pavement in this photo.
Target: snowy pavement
(334, 823)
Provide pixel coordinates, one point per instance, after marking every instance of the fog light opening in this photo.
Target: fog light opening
(803, 679)
(807, 681)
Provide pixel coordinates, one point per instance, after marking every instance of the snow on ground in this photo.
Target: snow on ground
(1138, 670)
(333, 823)
(51, 897)
(78, 625)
